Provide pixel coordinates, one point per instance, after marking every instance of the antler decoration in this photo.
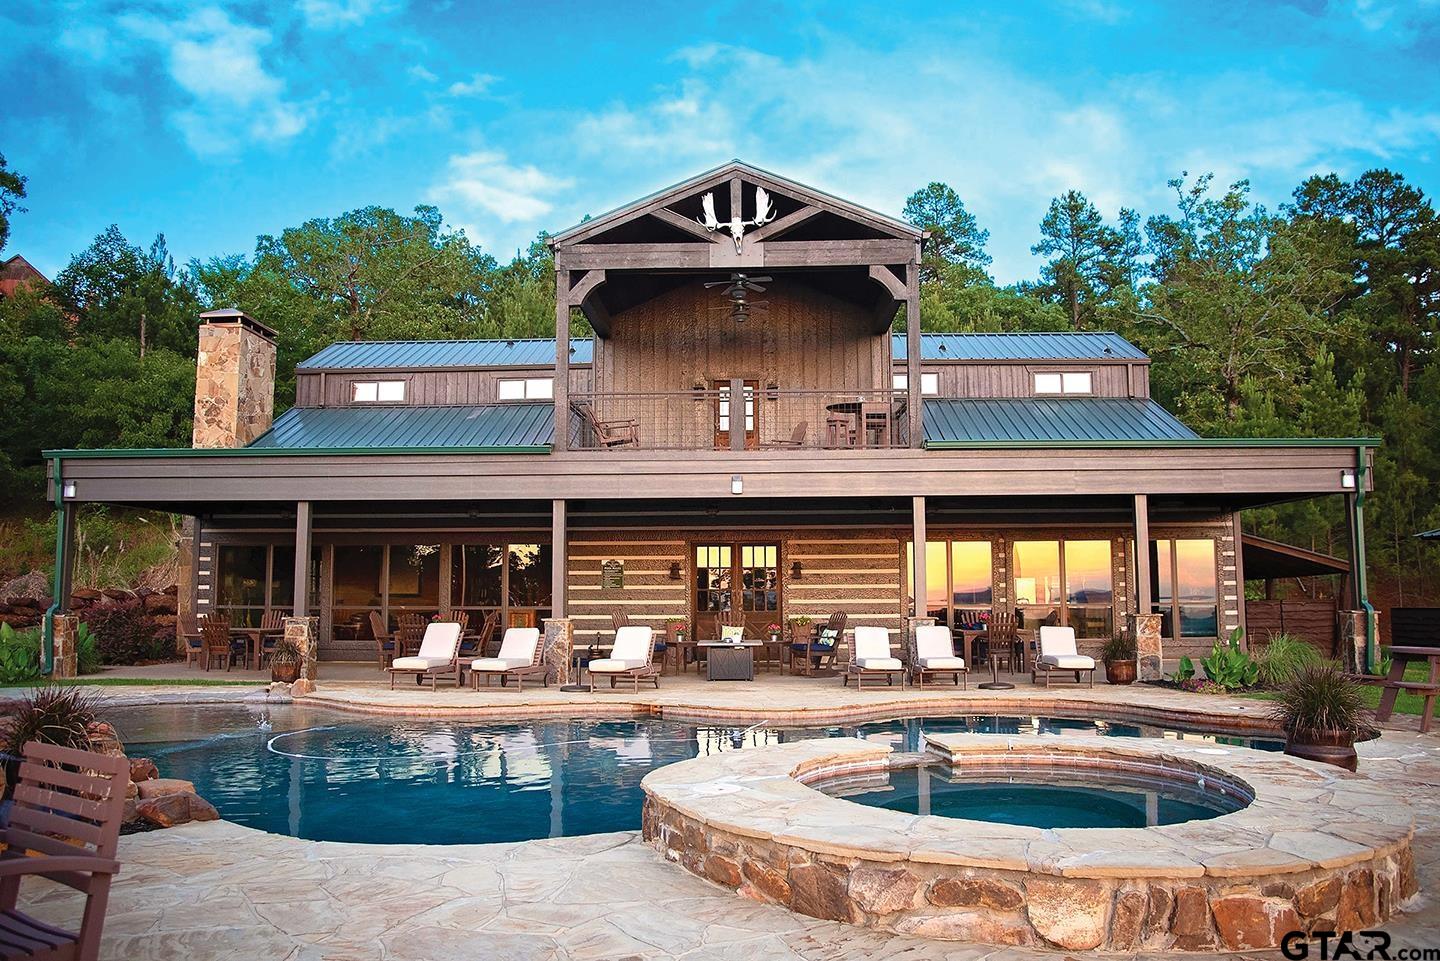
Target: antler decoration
(764, 213)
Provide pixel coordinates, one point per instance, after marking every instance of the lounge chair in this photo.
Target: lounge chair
(935, 655)
(633, 656)
(521, 656)
(439, 656)
(872, 657)
(1057, 653)
(68, 806)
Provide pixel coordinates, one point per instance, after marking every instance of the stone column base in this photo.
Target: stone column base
(912, 653)
(303, 632)
(559, 642)
(1352, 641)
(1146, 631)
(67, 657)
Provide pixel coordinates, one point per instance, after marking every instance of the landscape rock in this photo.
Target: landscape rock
(32, 586)
(979, 926)
(1356, 909)
(103, 740)
(765, 881)
(302, 687)
(143, 769)
(1318, 898)
(1071, 914)
(168, 810)
(722, 870)
(819, 891)
(1247, 921)
(162, 786)
(975, 892)
(1127, 925)
(881, 891)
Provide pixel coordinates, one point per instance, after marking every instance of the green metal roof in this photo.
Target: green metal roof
(496, 428)
(967, 421)
(420, 354)
(1025, 345)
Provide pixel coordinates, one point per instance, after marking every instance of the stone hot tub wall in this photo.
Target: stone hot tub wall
(1318, 849)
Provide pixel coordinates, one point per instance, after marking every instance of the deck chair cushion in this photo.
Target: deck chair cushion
(516, 650)
(872, 650)
(633, 648)
(439, 647)
(1057, 650)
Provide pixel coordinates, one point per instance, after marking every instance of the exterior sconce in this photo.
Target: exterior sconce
(67, 490)
(675, 570)
(1347, 479)
(797, 571)
(737, 484)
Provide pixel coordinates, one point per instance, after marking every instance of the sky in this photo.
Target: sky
(216, 122)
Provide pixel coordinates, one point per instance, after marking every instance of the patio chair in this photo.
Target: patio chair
(624, 432)
(272, 624)
(217, 641)
(817, 652)
(521, 656)
(68, 806)
(384, 640)
(935, 655)
(1058, 653)
(633, 656)
(795, 441)
(193, 640)
(439, 656)
(478, 643)
(410, 634)
(872, 658)
(1002, 638)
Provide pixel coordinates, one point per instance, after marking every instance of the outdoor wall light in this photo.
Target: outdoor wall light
(797, 572)
(675, 571)
(1347, 479)
(67, 490)
(737, 484)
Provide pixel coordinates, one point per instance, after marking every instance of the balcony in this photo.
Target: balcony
(763, 418)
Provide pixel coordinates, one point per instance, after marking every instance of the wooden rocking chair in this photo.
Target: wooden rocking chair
(624, 432)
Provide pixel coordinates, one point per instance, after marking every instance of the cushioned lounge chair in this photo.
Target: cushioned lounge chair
(1058, 653)
(872, 658)
(439, 656)
(935, 655)
(521, 656)
(633, 656)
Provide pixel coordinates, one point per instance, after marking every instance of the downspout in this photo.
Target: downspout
(1362, 593)
(47, 632)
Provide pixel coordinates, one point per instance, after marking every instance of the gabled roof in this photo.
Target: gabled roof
(723, 173)
(950, 421)
(418, 354)
(486, 428)
(1060, 345)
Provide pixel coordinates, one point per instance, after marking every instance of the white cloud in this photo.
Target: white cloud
(486, 194)
(476, 86)
(336, 14)
(419, 72)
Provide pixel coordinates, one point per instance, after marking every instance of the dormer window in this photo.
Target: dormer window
(378, 392)
(525, 388)
(1067, 382)
(929, 383)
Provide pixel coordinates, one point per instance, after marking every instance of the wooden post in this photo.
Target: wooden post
(562, 361)
(302, 560)
(1143, 601)
(917, 511)
(912, 355)
(559, 557)
(737, 413)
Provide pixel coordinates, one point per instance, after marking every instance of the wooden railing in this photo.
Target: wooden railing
(739, 417)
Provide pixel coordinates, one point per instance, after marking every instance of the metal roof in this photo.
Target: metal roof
(416, 354)
(1059, 345)
(496, 428)
(960, 421)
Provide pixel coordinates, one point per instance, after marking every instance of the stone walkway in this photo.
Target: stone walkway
(219, 891)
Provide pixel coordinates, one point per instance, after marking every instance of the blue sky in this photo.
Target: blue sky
(215, 122)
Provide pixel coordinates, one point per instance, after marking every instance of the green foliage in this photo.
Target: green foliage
(87, 651)
(1283, 658)
(956, 238)
(1090, 262)
(12, 191)
(19, 655)
(1230, 666)
(1185, 670)
(126, 634)
(1320, 698)
(51, 715)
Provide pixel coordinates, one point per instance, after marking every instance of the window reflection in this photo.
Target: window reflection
(1184, 587)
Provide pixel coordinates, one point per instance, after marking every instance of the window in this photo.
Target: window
(378, 392)
(957, 575)
(929, 383)
(1184, 588)
(526, 388)
(1068, 583)
(251, 580)
(1075, 382)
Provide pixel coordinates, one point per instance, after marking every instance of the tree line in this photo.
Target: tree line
(1316, 318)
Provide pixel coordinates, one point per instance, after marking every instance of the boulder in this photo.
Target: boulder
(117, 594)
(1070, 914)
(819, 891)
(161, 786)
(33, 586)
(881, 891)
(160, 604)
(104, 740)
(302, 687)
(1250, 921)
(85, 595)
(168, 810)
(975, 892)
(143, 769)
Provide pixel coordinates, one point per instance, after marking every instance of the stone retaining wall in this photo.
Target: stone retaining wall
(1318, 849)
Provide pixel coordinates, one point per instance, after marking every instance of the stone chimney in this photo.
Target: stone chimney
(234, 379)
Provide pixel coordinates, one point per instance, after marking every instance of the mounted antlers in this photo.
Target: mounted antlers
(764, 213)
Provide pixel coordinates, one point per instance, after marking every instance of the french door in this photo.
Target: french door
(732, 416)
(736, 583)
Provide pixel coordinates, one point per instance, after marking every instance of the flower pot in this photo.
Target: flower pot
(285, 672)
(1120, 672)
(1329, 747)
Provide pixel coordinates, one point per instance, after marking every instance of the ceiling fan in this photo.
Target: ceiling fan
(737, 295)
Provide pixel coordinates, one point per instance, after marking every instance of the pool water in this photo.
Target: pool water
(1109, 799)
(327, 775)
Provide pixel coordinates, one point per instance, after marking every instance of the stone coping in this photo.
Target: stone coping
(1312, 831)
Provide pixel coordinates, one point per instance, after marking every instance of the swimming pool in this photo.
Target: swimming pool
(327, 775)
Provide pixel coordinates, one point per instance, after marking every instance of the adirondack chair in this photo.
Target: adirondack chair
(194, 641)
(68, 806)
(215, 632)
(795, 441)
(817, 653)
(273, 626)
(384, 640)
(624, 432)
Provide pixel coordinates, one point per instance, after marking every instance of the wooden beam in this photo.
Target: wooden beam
(915, 401)
(886, 278)
(686, 224)
(885, 307)
(301, 606)
(560, 390)
(831, 253)
(559, 556)
(737, 198)
(1143, 600)
(634, 256)
(781, 224)
(596, 313)
(917, 521)
(580, 289)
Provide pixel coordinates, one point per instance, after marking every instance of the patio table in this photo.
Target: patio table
(729, 660)
(1400, 659)
(255, 641)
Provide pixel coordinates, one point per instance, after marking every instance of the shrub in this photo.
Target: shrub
(87, 651)
(1283, 658)
(1229, 666)
(1185, 671)
(51, 715)
(19, 655)
(126, 634)
(1121, 647)
(1321, 699)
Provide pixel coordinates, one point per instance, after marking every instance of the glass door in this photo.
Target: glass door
(736, 581)
(727, 417)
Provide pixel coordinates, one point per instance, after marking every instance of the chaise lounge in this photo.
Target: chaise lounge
(521, 656)
(439, 656)
(633, 656)
(1058, 653)
(872, 658)
(935, 655)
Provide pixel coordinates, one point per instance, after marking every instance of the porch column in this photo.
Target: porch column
(562, 360)
(302, 560)
(58, 652)
(559, 557)
(1150, 658)
(912, 355)
(917, 572)
(1143, 601)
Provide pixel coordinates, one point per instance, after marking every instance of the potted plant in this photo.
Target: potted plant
(1322, 712)
(51, 715)
(675, 627)
(1119, 657)
(774, 630)
(285, 661)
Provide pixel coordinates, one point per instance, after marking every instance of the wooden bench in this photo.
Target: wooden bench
(1394, 683)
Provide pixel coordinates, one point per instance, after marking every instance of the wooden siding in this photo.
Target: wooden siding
(804, 340)
(997, 379)
(860, 573)
(649, 595)
(424, 387)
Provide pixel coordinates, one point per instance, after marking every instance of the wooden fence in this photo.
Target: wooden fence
(1315, 621)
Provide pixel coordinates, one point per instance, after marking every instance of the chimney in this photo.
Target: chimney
(234, 379)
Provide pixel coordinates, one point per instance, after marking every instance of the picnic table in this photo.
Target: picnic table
(1400, 659)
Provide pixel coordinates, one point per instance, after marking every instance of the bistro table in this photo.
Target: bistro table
(255, 641)
(729, 660)
(856, 408)
(1400, 659)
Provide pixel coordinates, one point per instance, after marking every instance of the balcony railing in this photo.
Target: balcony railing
(742, 416)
